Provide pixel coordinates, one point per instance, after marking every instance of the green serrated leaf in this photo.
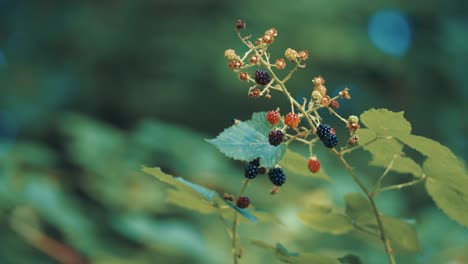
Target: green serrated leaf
(383, 151)
(401, 234)
(333, 223)
(385, 123)
(366, 135)
(453, 202)
(168, 179)
(357, 206)
(295, 163)
(448, 171)
(407, 165)
(426, 146)
(249, 140)
(190, 201)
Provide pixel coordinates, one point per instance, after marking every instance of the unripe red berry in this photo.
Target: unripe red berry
(313, 164)
(273, 117)
(292, 120)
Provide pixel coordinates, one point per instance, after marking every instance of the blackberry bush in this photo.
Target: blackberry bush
(384, 136)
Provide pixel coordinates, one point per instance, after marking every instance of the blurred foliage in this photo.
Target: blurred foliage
(92, 90)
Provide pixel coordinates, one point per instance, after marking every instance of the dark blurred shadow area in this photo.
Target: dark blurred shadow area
(92, 90)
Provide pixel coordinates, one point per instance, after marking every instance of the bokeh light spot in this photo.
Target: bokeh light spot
(390, 32)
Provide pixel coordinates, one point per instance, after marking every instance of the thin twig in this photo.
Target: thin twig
(379, 181)
(403, 185)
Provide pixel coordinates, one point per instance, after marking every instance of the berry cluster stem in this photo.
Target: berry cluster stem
(235, 223)
(370, 197)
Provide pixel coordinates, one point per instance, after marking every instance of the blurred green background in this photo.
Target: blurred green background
(92, 90)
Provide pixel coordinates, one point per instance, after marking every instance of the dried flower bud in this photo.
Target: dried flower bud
(291, 54)
(253, 59)
(325, 101)
(240, 24)
(334, 104)
(280, 64)
(258, 42)
(230, 54)
(303, 54)
(255, 93)
(244, 76)
(353, 140)
(322, 89)
(316, 96)
(353, 127)
(228, 197)
(345, 93)
(353, 119)
(267, 96)
(235, 64)
(268, 39)
(318, 81)
(272, 31)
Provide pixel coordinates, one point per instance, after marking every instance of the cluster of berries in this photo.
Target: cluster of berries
(327, 135)
(273, 117)
(276, 176)
(261, 77)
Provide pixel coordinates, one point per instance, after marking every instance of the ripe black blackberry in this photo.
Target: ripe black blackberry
(330, 141)
(251, 171)
(323, 130)
(262, 77)
(243, 202)
(275, 137)
(277, 176)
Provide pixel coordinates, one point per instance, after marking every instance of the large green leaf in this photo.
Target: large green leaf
(448, 171)
(248, 140)
(201, 199)
(452, 201)
(295, 163)
(383, 149)
(329, 222)
(385, 123)
(425, 146)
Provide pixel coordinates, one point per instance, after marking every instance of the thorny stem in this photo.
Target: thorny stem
(370, 197)
(235, 256)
